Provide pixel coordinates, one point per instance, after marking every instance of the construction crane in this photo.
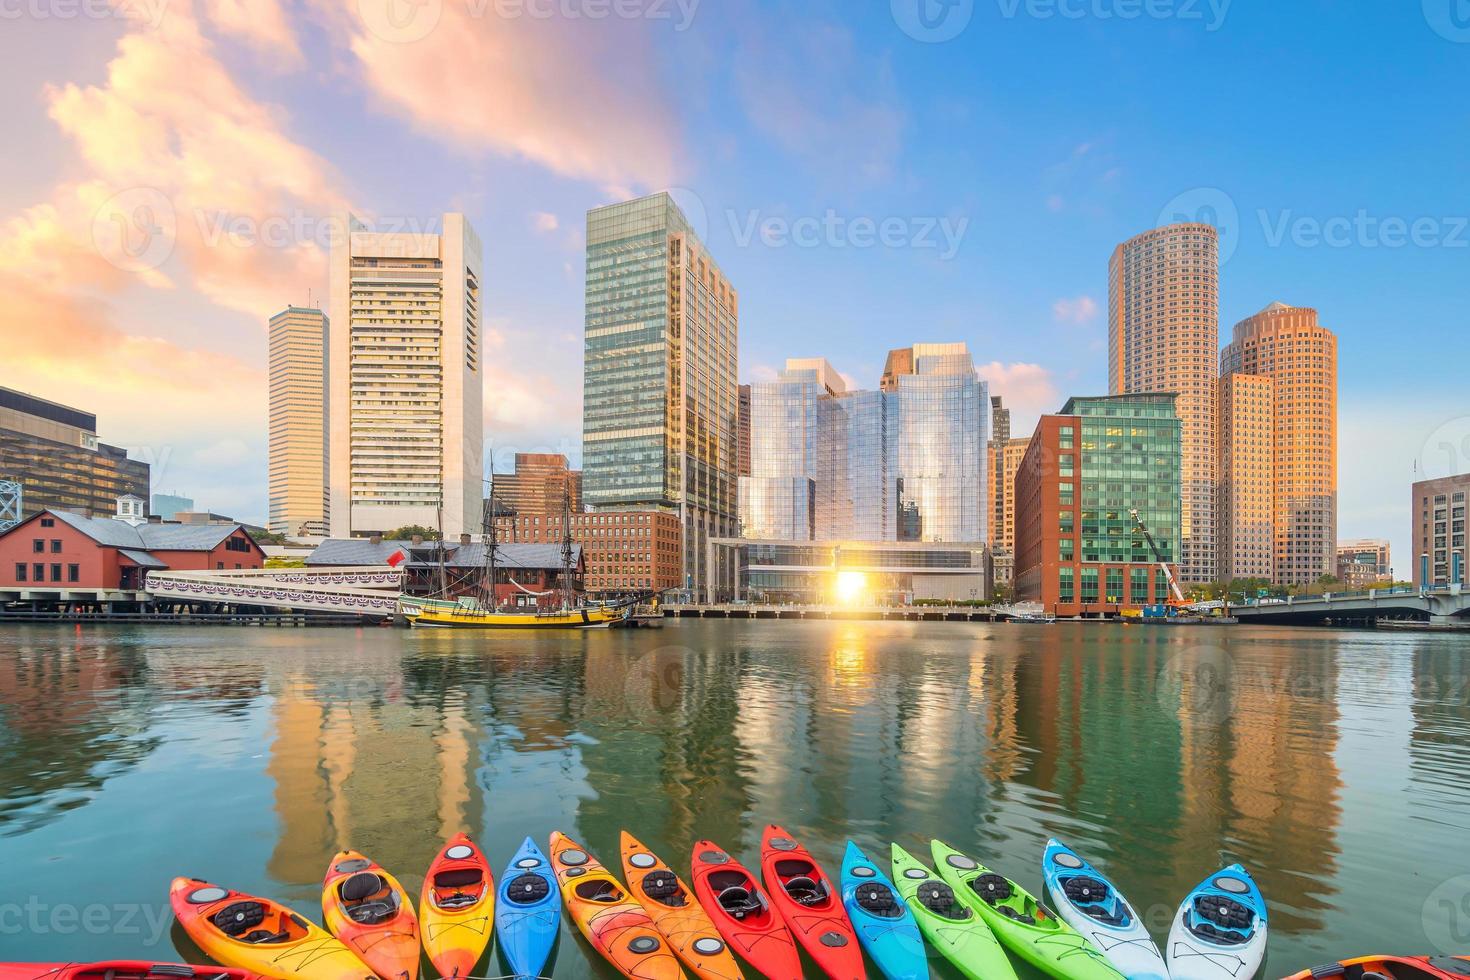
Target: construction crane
(1179, 601)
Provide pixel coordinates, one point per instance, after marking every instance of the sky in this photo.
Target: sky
(869, 174)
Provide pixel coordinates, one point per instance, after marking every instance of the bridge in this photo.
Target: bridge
(1447, 606)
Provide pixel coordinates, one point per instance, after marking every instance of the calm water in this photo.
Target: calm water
(1334, 765)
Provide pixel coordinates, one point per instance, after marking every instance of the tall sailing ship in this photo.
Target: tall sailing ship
(481, 609)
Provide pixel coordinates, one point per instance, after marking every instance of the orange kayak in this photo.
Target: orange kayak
(367, 909)
(457, 908)
(258, 935)
(675, 913)
(615, 925)
(1442, 967)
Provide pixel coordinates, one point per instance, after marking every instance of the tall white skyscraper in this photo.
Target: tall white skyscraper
(406, 377)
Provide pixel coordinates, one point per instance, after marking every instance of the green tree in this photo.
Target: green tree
(409, 531)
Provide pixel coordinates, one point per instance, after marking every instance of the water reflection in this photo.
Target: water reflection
(1159, 753)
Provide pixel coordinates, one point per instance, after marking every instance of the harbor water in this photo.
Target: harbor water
(1334, 765)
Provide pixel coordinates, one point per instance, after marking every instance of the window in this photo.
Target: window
(74, 573)
(48, 522)
(219, 565)
(38, 572)
(1089, 585)
(1066, 587)
(38, 546)
(56, 573)
(20, 571)
(56, 546)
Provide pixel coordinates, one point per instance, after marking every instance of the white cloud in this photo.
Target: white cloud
(1076, 312)
(544, 221)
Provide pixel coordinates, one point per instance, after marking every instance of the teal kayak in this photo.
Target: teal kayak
(1025, 926)
(951, 927)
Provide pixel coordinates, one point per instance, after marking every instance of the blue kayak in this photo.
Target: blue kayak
(882, 919)
(1219, 932)
(1093, 906)
(528, 912)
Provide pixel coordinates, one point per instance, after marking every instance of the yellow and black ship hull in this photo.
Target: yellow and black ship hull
(448, 615)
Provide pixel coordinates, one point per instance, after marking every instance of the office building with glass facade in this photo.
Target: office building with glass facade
(51, 456)
(660, 396)
(1078, 547)
(905, 463)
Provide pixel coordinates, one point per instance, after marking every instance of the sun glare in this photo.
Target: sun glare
(851, 587)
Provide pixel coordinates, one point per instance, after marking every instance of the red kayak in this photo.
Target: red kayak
(1389, 967)
(120, 970)
(743, 913)
(810, 906)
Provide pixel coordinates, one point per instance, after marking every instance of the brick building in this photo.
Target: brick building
(627, 551)
(57, 549)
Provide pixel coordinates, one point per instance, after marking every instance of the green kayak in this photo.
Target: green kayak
(1026, 927)
(950, 926)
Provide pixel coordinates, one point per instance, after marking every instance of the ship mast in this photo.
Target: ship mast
(487, 584)
(566, 545)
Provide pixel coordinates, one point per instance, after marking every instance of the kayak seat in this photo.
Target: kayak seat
(371, 913)
(1220, 937)
(460, 878)
(879, 900)
(664, 887)
(1086, 890)
(804, 890)
(599, 891)
(1020, 917)
(527, 889)
(1224, 912)
(361, 887)
(940, 899)
(738, 902)
(991, 887)
(262, 937)
(239, 918)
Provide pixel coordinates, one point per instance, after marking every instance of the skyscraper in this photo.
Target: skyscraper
(1000, 434)
(1244, 542)
(904, 463)
(660, 391)
(405, 380)
(1164, 336)
(298, 422)
(1437, 509)
(1287, 345)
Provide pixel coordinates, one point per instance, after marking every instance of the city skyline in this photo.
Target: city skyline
(1304, 222)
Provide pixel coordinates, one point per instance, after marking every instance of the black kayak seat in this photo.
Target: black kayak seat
(361, 886)
(877, 899)
(528, 889)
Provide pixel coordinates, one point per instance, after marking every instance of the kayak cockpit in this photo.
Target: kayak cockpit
(800, 882)
(1094, 899)
(1220, 920)
(367, 898)
(528, 889)
(601, 890)
(878, 900)
(257, 924)
(459, 888)
(664, 888)
(940, 899)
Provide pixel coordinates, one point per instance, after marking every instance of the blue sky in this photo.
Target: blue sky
(1328, 138)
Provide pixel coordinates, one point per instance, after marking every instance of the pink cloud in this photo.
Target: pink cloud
(579, 96)
(1028, 390)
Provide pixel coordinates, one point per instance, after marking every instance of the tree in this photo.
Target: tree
(408, 531)
(263, 537)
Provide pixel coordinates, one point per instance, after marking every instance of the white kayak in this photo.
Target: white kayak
(1219, 932)
(1093, 906)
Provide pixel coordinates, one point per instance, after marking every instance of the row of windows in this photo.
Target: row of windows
(37, 572)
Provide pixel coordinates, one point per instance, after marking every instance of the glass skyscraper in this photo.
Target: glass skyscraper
(660, 392)
(904, 463)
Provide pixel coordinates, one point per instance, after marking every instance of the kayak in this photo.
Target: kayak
(1093, 906)
(1022, 924)
(675, 914)
(615, 925)
(1389, 967)
(457, 907)
(809, 905)
(528, 915)
(120, 970)
(258, 935)
(366, 908)
(743, 913)
(951, 926)
(1219, 932)
(881, 919)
